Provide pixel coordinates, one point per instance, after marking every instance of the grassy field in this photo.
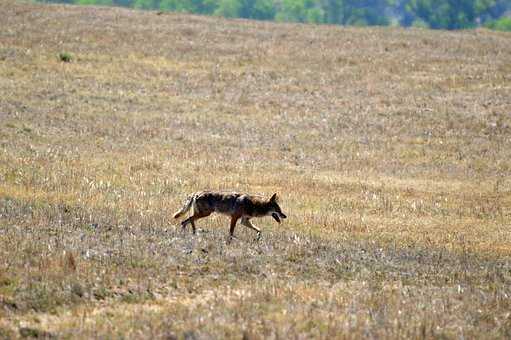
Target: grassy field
(390, 149)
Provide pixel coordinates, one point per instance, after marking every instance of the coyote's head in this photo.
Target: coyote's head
(274, 209)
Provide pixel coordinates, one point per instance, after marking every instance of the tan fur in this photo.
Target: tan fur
(233, 204)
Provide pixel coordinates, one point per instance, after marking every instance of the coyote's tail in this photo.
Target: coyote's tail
(186, 206)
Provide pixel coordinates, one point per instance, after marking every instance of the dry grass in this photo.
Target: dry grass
(389, 148)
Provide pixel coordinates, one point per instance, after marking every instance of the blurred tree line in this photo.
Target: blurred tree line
(438, 14)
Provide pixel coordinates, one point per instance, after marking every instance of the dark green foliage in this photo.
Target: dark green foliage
(352, 12)
(65, 57)
(446, 14)
(437, 14)
(451, 14)
(503, 24)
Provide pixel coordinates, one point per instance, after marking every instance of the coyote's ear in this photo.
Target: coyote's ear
(274, 198)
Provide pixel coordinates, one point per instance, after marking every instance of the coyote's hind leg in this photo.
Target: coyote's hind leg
(192, 220)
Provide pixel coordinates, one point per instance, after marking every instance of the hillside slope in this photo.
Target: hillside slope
(388, 147)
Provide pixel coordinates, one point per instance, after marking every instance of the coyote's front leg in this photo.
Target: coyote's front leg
(246, 222)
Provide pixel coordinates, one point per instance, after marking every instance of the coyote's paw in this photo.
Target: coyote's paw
(258, 237)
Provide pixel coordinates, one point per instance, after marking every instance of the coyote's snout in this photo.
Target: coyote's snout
(234, 204)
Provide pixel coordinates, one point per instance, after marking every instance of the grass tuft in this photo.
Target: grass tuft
(65, 57)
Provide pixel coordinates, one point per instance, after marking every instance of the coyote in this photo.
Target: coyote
(234, 204)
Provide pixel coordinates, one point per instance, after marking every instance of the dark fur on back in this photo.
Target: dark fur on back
(236, 205)
(232, 203)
